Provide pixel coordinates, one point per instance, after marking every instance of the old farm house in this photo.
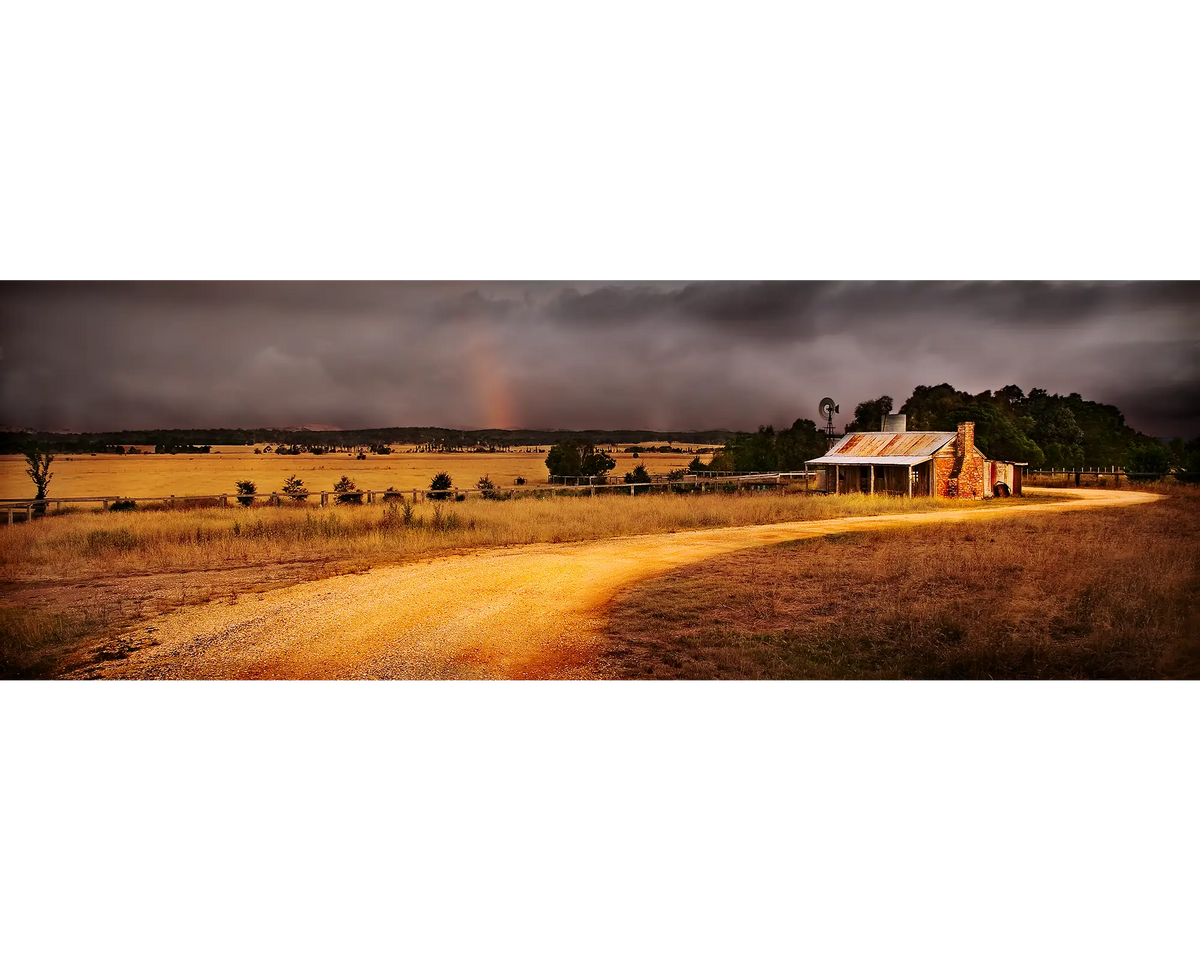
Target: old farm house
(916, 464)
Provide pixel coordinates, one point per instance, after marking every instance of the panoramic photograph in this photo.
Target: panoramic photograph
(599, 480)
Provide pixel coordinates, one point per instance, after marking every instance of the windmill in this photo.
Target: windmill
(828, 408)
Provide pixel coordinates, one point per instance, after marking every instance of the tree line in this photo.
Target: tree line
(1039, 428)
(430, 438)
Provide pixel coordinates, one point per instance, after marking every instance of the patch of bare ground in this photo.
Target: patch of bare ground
(1101, 594)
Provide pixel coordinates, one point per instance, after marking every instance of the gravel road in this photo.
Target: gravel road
(532, 612)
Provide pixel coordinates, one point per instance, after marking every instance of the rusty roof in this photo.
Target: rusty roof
(871, 447)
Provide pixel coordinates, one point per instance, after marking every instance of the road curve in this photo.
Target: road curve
(530, 612)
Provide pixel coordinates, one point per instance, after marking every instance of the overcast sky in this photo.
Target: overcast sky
(663, 356)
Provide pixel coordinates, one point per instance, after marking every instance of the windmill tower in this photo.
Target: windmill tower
(828, 408)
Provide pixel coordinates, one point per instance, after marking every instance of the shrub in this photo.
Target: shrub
(347, 491)
(639, 475)
(440, 486)
(520, 481)
(294, 488)
(391, 493)
(120, 506)
(489, 491)
(246, 487)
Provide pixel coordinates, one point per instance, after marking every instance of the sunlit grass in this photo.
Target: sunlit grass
(81, 543)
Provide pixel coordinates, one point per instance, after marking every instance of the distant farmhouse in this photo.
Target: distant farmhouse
(917, 464)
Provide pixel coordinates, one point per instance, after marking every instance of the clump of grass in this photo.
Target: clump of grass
(121, 540)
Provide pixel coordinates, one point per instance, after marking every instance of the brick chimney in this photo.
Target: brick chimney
(965, 441)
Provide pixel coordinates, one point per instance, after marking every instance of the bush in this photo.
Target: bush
(391, 493)
(246, 487)
(520, 481)
(294, 488)
(440, 486)
(120, 506)
(639, 475)
(347, 491)
(489, 491)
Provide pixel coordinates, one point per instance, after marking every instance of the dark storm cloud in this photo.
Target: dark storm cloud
(759, 309)
(658, 355)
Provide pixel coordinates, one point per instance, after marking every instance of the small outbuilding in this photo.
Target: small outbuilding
(926, 464)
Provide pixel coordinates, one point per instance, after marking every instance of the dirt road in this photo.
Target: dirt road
(526, 612)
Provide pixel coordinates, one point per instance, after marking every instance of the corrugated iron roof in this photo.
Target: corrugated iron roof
(888, 445)
(868, 461)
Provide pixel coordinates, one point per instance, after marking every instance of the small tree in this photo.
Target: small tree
(488, 489)
(347, 491)
(639, 475)
(294, 488)
(577, 458)
(440, 486)
(246, 488)
(39, 469)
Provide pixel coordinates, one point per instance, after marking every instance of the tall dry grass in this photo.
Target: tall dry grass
(87, 543)
(1095, 594)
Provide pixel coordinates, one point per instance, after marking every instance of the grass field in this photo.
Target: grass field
(69, 577)
(164, 475)
(1097, 594)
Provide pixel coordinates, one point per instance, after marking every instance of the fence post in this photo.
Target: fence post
(10, 513)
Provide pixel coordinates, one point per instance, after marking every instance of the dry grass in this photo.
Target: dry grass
(123, 567)
(1095, 594)
(85, 543)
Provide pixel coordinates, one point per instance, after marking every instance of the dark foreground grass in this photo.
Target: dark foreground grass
(1095, 594)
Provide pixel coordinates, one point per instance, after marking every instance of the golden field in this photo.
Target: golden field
(165, 475)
